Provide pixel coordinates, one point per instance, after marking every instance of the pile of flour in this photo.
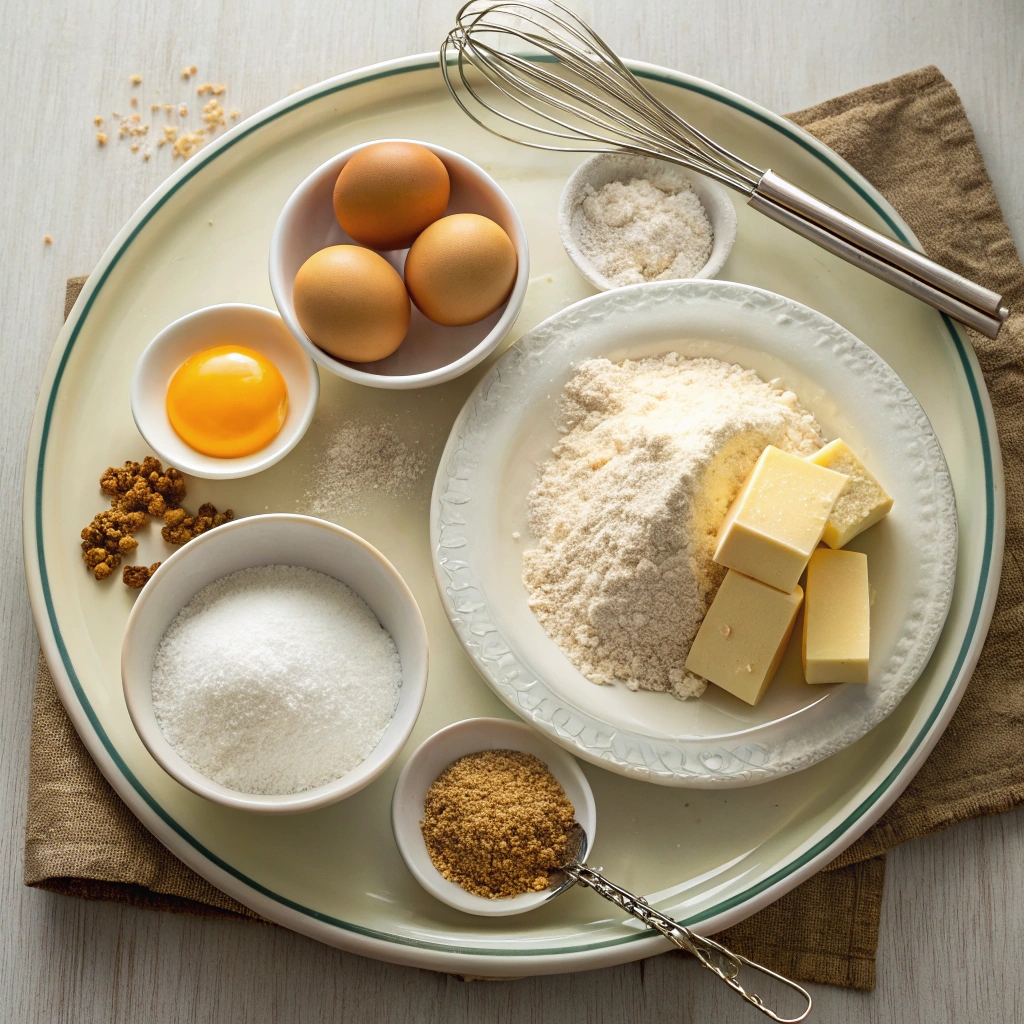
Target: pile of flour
(640, 230)
(626, 511)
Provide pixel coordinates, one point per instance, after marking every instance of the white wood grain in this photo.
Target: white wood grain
(953, 922)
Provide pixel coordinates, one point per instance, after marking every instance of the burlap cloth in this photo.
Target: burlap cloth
(911, 139)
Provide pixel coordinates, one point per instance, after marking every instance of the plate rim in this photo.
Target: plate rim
(800, 865)
(630, 301)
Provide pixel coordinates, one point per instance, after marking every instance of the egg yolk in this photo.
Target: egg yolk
(227, 401)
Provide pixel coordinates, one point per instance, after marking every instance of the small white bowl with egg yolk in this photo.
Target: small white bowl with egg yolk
(226, 417)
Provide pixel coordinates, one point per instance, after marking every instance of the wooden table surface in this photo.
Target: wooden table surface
(952, 933)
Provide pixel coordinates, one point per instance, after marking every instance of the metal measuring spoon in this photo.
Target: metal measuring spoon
(710, 954)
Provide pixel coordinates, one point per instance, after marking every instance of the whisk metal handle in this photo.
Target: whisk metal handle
(712, 955)
(970, 303)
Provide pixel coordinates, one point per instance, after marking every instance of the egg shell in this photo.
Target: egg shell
(389, 192)
(352, 303)
(460, 269)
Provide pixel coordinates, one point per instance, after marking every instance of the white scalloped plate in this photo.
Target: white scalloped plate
(507, 427)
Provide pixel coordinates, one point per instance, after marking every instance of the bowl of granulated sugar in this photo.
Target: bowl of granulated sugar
(275, 664)
(626, 219)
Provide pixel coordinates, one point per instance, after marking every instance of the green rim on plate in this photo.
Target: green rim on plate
(976, 390)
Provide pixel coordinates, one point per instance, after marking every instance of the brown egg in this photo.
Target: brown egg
(351, 303)
(389, 192)
(461, 269)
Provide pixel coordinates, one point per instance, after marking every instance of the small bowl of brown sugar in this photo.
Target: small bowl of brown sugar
(483, 814)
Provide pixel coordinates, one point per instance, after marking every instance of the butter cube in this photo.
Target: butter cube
(862, 503)
(837, 618)
(778, 518)
(744, 635)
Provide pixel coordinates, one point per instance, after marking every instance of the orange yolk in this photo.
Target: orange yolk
(227, 402)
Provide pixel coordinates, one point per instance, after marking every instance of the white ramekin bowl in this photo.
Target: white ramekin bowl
(431, 353)
(276, 539)
(603, 168)
(257, 328)
(432, 757)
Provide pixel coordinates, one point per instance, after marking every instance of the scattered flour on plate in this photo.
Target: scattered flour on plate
(360, 457)
(639, 231)
(275, 679)
(626, 511)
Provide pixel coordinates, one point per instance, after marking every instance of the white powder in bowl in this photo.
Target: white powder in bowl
(275, 679)
(639, 230)
(626, 511)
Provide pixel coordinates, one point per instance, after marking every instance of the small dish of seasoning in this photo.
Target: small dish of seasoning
(493, 820)
(275, 664)
(496, 785)
(224, 392)
(626, 219)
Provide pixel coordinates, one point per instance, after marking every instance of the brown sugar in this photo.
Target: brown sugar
(497, 823)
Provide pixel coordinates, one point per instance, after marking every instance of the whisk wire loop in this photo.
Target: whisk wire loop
(608, 107)
(570, 92)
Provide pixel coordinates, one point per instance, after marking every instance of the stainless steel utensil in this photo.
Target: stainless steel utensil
(712, 955)
(572, 88)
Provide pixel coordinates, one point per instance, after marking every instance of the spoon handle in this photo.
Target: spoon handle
(715, 957)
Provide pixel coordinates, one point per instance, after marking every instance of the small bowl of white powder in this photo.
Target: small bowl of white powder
(627, 219)
(276, 664)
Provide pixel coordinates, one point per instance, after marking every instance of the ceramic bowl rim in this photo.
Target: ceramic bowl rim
(713, 196)
(459, 737)
(412, 691)
(236, 468)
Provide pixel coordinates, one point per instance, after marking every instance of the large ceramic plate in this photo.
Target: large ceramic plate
(507, 428)
(708, 857)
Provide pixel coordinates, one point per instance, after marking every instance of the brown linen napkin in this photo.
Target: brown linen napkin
(911, 139)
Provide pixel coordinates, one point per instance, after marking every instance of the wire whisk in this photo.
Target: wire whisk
(537, 75)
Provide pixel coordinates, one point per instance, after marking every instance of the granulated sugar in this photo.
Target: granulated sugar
(363, 456)
(626, 511)
(275, 679)
(643, 230)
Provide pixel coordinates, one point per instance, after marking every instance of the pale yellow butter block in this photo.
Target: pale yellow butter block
(837, 618)
(863, 501)
(778, 518)
(744, 635)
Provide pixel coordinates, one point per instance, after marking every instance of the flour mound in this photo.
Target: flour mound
(626, 511)
(642, 230)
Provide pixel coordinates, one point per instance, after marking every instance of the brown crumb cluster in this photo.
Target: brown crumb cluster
(137, 576)
(180, 527)
(143, 486)
(108, 537)
(497, 823)
(137, 491)
(177, 134)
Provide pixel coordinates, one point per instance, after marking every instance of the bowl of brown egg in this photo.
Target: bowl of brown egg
(399, 264)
